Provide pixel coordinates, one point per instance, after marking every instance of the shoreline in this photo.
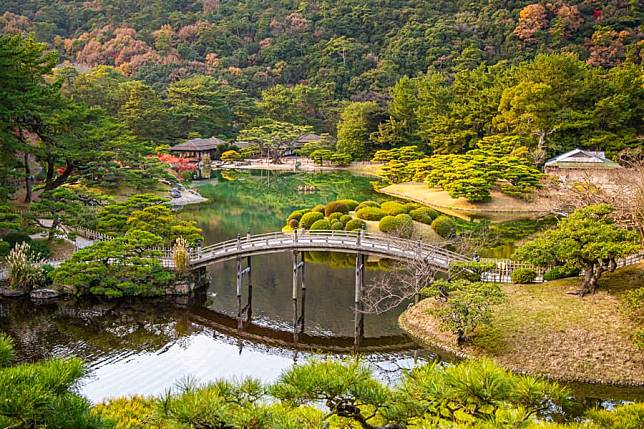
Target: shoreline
(541, 330)
(306, 166)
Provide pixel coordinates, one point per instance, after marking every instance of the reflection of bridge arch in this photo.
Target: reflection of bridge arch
(329, 241)
(230, 326)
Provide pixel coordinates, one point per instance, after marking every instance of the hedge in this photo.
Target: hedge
(4, 248)
(411, 206)
(351, 204)
(14, 238)
(39, 250)
(371, 213)
(309, 218)
(320, 225)
(444, 226)
(393, 208)
(367, 203)
(355, 224)
(560, 273)
(335, 207)
(523, 275)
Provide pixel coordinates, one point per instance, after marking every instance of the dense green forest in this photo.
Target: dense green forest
(139, 75)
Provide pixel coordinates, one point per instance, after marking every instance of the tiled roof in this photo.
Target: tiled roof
(580, 158)
(196, 145)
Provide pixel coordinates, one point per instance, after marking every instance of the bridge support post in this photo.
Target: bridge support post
(357, 300)
(298, 282)
(245, 310)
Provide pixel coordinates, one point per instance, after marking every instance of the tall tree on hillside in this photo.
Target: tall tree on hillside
(300, 104)
(198, 106)
(358, 122)
(548, 97)
(24, 64)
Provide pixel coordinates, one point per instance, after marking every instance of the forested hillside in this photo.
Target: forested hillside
(440, 75)
(347, 47)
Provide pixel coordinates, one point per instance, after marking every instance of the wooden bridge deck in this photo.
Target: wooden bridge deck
(330, 241)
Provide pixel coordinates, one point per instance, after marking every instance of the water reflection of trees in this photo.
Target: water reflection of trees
(92, 328)
(259, 201)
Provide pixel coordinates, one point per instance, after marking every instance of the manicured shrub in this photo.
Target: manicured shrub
(424, 215)
(393, 208)
(371, 213)
(319, 225)
(387, 224)
(293, 223)
(355, 224)
(335, 207)
(351, 204)
(523, 275)
(337, 226)
(309, 218)
(421, 215)
(411, 206)
(15, 237)
(4, 248)
(367, 203)
(297, 214)
(335, 216)
(560, 273)
(318, 208)
(444, 226)
(401, 225)
(345, 218)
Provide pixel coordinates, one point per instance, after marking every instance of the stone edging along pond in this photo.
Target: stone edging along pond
(430, 339)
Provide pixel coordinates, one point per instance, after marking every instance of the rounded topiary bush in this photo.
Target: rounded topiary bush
(351, 204)
(411, 206)
(560, 273)
(367, 203)
(318, 208)
(371, 213)
(297, 214)
(355, 224)
(424, 215)
(393, 208)
(293, 223)
(336, 216)
(388, 224)
(345, 218)
(335, 207)
(310, 218)
(401, 225)
(15, 237)
(337, 226)
(321, 225)
(444, 226)
(523, 275)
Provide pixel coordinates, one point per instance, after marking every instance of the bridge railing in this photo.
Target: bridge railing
(344, 239)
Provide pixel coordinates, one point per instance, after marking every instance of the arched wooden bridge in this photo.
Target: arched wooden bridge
(329, 241)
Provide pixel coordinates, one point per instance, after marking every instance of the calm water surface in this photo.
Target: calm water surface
(144, 346)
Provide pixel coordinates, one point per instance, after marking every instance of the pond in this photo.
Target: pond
(145, 346)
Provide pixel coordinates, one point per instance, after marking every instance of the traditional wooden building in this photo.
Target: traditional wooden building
(197, 148)
(580, 164)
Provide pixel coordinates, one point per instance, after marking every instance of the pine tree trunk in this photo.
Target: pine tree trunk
(27, 179)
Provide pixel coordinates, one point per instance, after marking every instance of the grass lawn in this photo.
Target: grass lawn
(500, 208)
(541, 329)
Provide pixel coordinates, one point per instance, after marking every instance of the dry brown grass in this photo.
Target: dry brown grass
(542, 329)
(500, 208)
